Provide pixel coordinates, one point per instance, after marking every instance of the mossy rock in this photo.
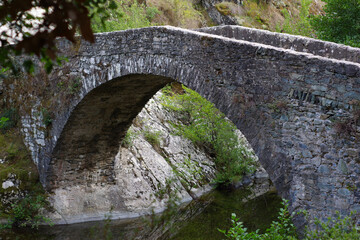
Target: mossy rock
(16, 166)
(223, 8)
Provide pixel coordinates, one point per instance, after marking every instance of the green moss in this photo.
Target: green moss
(224, 8)
(17, 161)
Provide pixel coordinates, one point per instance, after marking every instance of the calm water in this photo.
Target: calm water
(197, 221)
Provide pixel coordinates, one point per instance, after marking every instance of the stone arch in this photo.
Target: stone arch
(275, 96)
(130, 84)
(89, 141)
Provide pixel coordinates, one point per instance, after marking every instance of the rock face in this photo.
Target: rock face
(218, 17)
(152, 166)
(10, 191)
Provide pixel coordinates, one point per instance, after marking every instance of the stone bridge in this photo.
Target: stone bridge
(295, 99)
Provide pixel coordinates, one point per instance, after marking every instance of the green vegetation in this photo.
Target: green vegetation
(340, 23)
(153, 137)
(21, 209)
(129, 14)
(335, 228)
(208, 128)
(128, 138)
(16, 162)
(224, 8)
(70, 85)
(27, 212)
(338, 228)
(193, 173)
(8, 119)
(75, 85)
(133, 14)
(279, 230)
(180, 13)
(299, 24)
(46, 117)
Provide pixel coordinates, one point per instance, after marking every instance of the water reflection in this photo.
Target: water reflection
(198, 220)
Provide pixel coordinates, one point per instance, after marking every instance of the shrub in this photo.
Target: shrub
(3, 121)
(8, 119)
(208, 128)
(341, 22)
(27, 212)
(334, 228)
(75, 85)
(281, 229)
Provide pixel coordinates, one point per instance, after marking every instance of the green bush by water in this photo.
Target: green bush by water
(27, 213)
(278, 230)
(343, 228)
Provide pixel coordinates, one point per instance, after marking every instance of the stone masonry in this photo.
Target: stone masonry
(296, 102)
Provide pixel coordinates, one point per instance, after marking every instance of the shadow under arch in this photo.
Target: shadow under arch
(91, 137)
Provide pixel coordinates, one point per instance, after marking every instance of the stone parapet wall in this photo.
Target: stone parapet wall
(287, 41)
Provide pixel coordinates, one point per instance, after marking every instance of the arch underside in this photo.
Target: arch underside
(90, 140)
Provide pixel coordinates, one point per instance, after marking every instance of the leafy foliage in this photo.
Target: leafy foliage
(337, 228)
(129, 138)
(279, 230)
(3, 121)
(341, 22)
(334, 228)
(8, 119)
(31, 27)
(208, 128)
(27, 212)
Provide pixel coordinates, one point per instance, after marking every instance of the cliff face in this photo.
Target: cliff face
(153, 167)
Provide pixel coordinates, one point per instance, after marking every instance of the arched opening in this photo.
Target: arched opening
(88, 174)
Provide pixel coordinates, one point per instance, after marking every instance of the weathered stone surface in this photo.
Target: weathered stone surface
(216, 16)
(296, 43)
(10, 191)
(256, 84)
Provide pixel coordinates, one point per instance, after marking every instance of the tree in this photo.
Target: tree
(340, 23)
(24, 31)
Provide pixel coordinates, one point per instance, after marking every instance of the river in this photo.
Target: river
(198, 220)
